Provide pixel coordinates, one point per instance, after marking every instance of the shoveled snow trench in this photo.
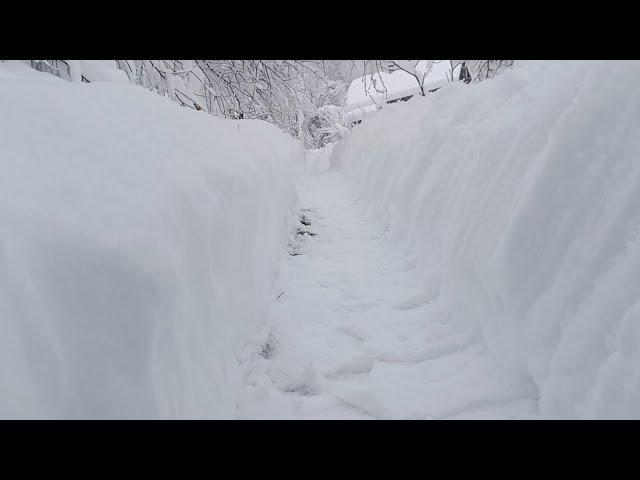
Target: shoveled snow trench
(352, 336)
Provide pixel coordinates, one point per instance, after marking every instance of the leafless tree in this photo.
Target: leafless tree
(479, 70)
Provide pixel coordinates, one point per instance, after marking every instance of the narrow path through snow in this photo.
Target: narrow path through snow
(357, 335)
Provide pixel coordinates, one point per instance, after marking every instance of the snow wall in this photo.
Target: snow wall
(519, 201)
(138, 240)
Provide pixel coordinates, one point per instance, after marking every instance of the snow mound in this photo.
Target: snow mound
(518, 201)
(138, 241)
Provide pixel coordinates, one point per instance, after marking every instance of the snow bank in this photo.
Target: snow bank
(137, 246)
(317, 159)
(518, 200)
(102, 71)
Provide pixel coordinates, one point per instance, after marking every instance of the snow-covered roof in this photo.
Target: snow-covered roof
(380, 86)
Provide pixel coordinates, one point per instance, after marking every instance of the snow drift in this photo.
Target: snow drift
(518, 201)
(137, 245)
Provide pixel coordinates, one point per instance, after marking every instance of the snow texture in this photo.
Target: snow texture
(369, 94)
(354, 334)
(474, 253)
(516, 202)
(138, 241)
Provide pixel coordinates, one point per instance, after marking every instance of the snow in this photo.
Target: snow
(358, 113)
(438, 72)
(361, 101)
(102, 71)
(385, 84)
(318, 159)
(516, 204)
(138, 242)
(393, 85)
(18, 70)
(353, 335)
(469, 254)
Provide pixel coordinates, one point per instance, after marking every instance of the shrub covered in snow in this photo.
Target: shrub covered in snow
(324, 127)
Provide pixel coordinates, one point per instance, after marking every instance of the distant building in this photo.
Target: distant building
(478, 70)
(369, 93)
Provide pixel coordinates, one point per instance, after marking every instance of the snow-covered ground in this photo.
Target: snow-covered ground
(517, 203)
(476, 255)
(354, 334)
(138, 241)
(471, 254)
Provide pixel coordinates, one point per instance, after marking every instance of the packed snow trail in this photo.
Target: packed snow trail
(355, 334)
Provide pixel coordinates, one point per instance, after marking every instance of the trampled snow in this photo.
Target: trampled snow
(138, 241)
(352, 333)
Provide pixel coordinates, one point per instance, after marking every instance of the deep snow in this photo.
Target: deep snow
(516, 202)
(353, 334)
(471, 254)
(138, 241)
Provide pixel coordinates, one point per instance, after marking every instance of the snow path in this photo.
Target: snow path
(356, 334)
